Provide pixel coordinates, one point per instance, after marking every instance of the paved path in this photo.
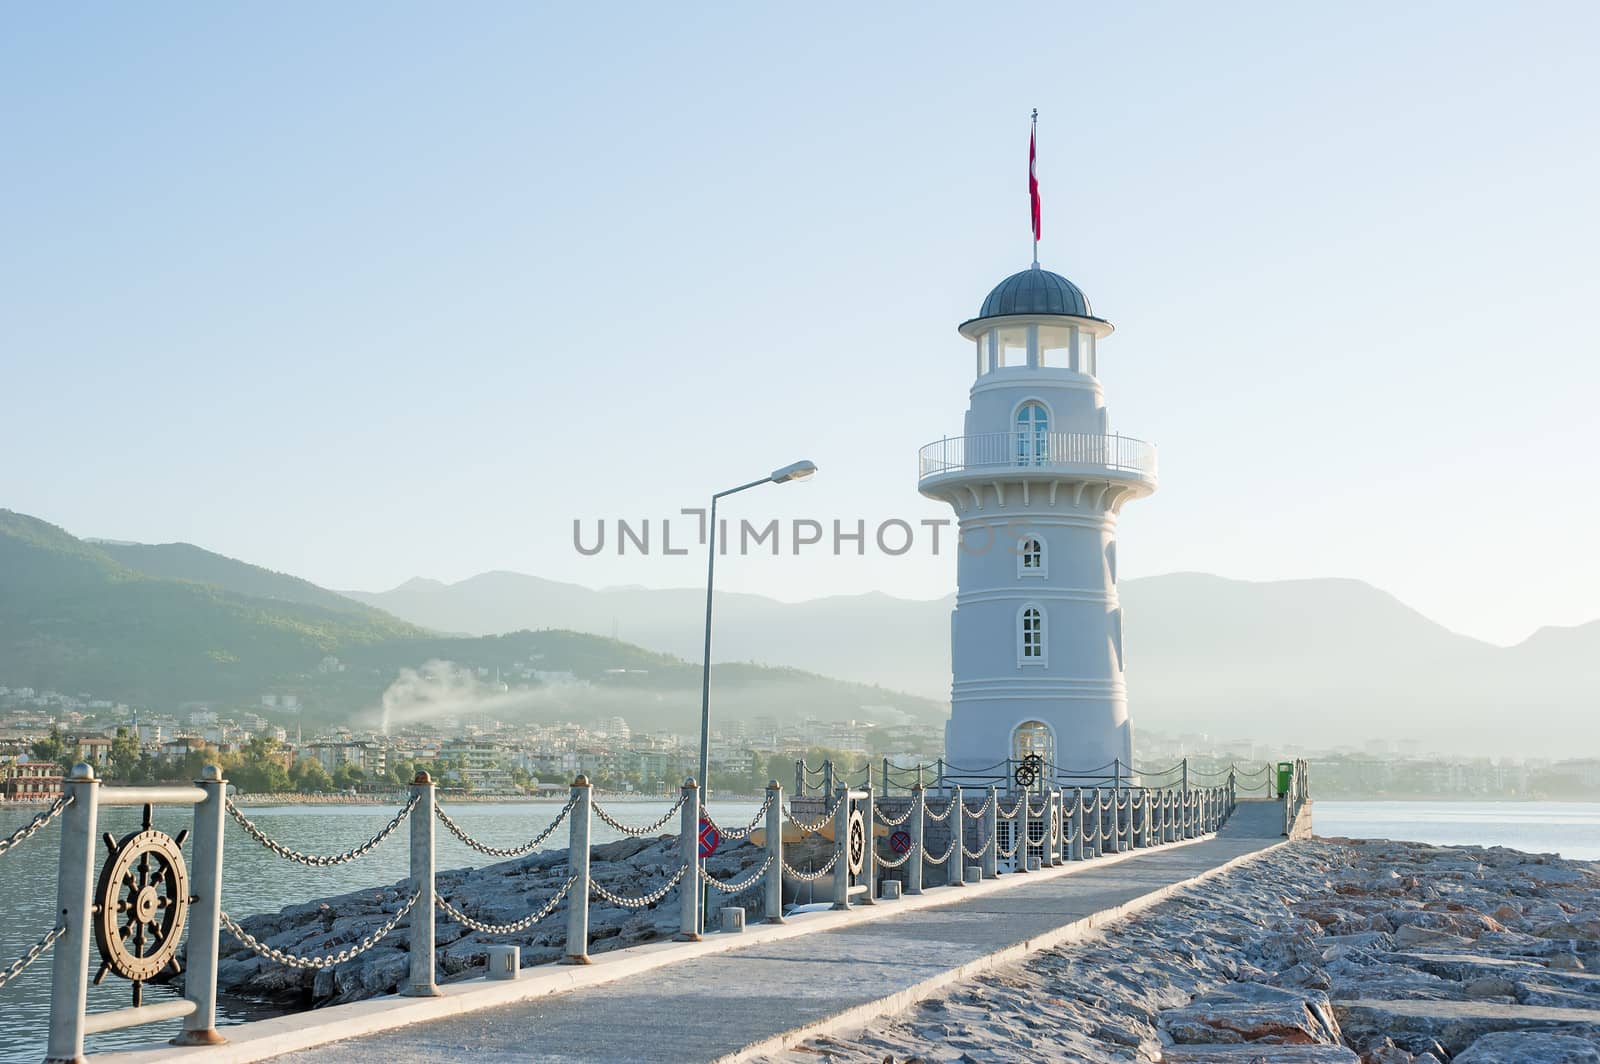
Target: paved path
(707, 1008)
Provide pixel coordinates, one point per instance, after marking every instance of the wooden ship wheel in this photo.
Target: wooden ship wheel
(140, 905)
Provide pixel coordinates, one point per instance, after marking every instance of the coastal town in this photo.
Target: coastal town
(267, 751)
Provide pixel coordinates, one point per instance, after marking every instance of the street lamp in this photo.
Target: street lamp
(795, 471)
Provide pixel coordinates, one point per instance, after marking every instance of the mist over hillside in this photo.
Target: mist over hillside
(1324, 661)
(161, 625)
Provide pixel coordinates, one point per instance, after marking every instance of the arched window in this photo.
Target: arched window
(1035, 737)
(1030, 636)
(1030, 557)
(1033, 433)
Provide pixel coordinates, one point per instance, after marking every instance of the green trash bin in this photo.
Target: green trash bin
(1285, 777)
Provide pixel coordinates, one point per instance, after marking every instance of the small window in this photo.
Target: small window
(1033, 433)
(1030, 557)
(1013, 344)
(1055, 346)
(1030, 649)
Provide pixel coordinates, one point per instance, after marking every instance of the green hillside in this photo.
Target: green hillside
(183, 626)
(185, 561)
(73, 618)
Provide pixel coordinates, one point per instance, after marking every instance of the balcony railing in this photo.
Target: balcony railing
(1045, 451)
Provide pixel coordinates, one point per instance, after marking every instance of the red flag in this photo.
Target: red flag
(1033, 183)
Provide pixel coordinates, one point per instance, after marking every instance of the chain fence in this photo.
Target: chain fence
(32, 827)
(506, 929)
(813, 876)
(639, 833)
(495, 851)
(319, 860)
(739, 833)
(272, 953)
(641, 902)
(35, 951)
(743, 885)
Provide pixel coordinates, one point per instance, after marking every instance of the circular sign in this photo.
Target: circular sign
(858, 843)
(710, 837)
(900, 842)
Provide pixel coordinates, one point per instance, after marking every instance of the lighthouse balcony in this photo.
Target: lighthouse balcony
(1042, 454)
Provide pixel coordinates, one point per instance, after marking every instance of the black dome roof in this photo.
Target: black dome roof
(1036, 291)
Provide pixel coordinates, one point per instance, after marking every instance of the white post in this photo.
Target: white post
(1127, 821)
(827, 780)
(689, 852)
(956, 874)
(69, 990)
(578, 867)
(1058, 818)
(205, 915)
(774, 904)
(420, 982)
(1024, 815)
(841, 848)
(1077, 823)
(869, 859)
(919, 830)
(991, 851)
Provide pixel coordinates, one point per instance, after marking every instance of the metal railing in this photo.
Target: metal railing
(1046, 824)
(1037, 450)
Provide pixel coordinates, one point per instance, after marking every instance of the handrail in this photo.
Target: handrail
(1037, 450)
(1057, 819)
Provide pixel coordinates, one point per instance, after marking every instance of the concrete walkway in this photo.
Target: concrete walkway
(757, 999)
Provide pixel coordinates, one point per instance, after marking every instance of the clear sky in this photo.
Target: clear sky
(370, 291)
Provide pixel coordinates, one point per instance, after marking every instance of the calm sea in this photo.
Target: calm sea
(256, 881)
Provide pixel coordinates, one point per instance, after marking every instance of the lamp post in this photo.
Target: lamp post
(796, 471)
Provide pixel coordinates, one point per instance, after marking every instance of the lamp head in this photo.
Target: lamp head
(796, 471)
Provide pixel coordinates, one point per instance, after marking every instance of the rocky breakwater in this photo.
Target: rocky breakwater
(1333, 950)
(495, 894)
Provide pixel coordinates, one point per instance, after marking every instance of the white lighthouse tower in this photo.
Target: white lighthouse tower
(1037, 480)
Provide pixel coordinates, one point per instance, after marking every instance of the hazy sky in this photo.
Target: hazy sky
(369, 291)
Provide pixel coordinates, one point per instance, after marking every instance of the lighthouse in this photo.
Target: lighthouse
(1037, 479)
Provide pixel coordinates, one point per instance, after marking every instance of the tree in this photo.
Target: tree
(52, 748)
(124, 755)
(309, 777)
(347, 775)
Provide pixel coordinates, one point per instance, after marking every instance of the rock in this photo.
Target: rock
(1278, 1054)
(1490, 986)
(1566, 962)
(1252, 1012)
(1530, 1047)
(1409, 935)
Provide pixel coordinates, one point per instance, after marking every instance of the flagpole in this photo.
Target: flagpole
(1033, 139)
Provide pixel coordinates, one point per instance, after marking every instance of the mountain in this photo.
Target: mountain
(872, 638)
(185, 561)
(72, 617)
(1324, 662)
(162, 625)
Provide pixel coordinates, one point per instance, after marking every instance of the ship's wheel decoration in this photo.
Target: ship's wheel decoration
(858, 842)
(1027, 771)
(140, 905)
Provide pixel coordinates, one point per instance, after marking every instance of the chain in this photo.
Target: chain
(877, 811)
(507, 929)
(35, 951)
(884, 862)
(1016, 808)
(741, 887)
(814, 826)
(495, 851)
(271, 953)
(640, 903)
(811, 877)
(317, 860)
(1008, 854)
(971, 855)
(951, 804)
(755, 821)
(27, 830)
(982, 810)
(942, 858)
(1039, 813)
(639, 833)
